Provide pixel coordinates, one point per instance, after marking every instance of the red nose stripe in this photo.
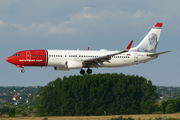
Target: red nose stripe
(29, 58)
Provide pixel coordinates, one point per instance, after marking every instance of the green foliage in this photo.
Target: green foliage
(4, 109)
(169, 106)
(19, 110)
(121, 118)
(11, 112)
(32, 100)
(173, 106)
(164, 104)
(166, 118)
(168, 92)
(92, 94)
(20, 92)
(24, 113)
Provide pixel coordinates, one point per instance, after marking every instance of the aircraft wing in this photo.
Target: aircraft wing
(156, 54)
(99, 60)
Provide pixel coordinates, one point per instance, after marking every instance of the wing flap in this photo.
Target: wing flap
(105, 58)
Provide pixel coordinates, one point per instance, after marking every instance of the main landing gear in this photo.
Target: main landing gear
(82, 72)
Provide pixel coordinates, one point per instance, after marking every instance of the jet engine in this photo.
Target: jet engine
(73, 64)
(61, 68)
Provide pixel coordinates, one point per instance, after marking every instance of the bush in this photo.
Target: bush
(24, 113)
(11, 112)
(4, 109)
(121, 118)
(19, 110)
(171, 108)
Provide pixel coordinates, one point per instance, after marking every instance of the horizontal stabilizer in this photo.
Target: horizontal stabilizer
(156, 54)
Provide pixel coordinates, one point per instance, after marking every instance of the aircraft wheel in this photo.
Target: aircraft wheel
(89, 71)
(82, 72)
(22, 70)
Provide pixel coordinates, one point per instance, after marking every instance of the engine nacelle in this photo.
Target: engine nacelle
(61, 68)
(73, 64)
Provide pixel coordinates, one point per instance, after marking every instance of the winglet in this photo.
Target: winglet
(87, 48)
(129, 46)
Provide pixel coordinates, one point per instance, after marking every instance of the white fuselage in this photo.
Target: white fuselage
(59, 57)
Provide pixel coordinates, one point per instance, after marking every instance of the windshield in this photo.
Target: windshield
(16, 54)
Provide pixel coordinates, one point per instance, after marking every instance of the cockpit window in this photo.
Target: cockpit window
(16, 54)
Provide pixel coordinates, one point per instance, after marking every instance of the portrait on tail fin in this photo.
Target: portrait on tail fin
(150, 41)
(150, 44)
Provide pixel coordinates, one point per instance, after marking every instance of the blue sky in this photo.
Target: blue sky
(73, 24)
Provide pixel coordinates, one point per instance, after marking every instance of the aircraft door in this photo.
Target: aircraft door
(28, 55)
(135, 57)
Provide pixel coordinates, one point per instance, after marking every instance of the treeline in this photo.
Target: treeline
(94, 94)
(21, 93)
(169, 106)
(166, 92)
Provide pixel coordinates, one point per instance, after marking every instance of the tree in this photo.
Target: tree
(11, 112)
(92, 94)
(171, 108)
(164, 104)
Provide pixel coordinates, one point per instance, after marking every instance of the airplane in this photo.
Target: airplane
(78, 59)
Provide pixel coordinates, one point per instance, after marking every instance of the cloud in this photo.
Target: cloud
(141, 13)
(1, 22)
(88, 21)
(59, 29)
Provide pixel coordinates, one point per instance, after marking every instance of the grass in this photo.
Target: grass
(135, 117)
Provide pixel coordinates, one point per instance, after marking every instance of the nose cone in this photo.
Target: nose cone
(9, 59)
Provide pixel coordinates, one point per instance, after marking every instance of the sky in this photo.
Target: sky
(78, 24)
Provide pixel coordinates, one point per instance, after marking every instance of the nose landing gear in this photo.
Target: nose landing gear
(23, 70)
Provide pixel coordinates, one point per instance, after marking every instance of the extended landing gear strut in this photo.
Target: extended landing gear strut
(82, 72)
(23, 70)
